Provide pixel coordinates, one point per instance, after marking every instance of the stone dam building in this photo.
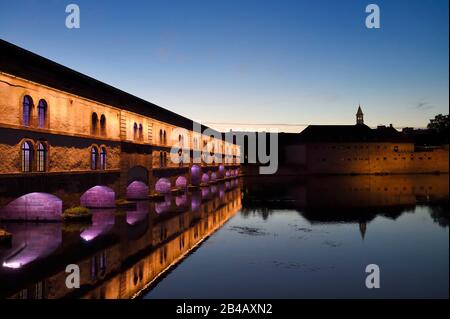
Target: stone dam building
(351, 150)
(67, 140)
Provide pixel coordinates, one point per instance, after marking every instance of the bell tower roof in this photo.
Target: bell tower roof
(359, 116)
(359, 112)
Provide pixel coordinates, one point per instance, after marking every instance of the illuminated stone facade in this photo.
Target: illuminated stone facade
(60, 129)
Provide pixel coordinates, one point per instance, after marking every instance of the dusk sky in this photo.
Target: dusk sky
(244, 62)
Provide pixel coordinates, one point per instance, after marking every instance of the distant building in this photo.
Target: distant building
(359, 149)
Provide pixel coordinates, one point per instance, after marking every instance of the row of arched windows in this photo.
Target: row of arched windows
(98, 127)
(98, 158)
(33, 159)
(27, 112)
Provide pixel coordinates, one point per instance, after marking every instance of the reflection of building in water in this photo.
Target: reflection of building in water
(30, 242)
(352, 199)
(138, 250)
(362, 229)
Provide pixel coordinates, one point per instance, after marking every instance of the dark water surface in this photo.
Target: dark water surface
(275, 237)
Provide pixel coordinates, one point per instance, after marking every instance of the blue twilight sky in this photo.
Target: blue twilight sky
(253, 61)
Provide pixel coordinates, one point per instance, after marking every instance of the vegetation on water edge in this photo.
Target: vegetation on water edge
(77, 214)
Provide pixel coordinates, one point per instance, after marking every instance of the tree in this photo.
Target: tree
(439, 123)
(439, 128)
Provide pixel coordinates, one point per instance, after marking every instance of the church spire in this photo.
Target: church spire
(359, 116)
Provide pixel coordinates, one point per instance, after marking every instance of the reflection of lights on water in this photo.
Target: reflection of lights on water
(13, 265)
(87, 237)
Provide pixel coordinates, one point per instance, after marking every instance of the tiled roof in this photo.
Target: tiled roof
(27, 65)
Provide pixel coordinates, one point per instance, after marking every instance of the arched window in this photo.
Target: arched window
(103, 125)
(103, 158)
(135, 128)
(41, 158)
(165, 137)
(42, 113)
(161, 159)
(27, 106)
(27, 156)
(141, 132)
(160, 137)
(165, 159)
(94, 124)
(94, 157)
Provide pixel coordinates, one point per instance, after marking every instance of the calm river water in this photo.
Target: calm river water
(274, 237)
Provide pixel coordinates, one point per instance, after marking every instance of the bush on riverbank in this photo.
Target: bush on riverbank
(77, 214)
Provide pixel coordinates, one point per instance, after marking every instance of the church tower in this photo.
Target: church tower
(359, 116)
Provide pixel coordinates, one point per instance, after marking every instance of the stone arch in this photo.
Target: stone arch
(163, 186)
(205, 178)
(98, 197)
(137, 190)
(221, 172)
(181, 182)
(137, 173)
(196, 175)
(33, 206)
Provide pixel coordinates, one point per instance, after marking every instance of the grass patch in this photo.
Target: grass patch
(77, 214)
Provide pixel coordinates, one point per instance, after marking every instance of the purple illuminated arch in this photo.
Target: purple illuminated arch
(205, 178)
(227, 174)
(137, 190)
(33, 206)
(214, 189)
(98, 197)
(181, 182)
(221, 171)
(213, 176)
(163, 186)
(196, 175)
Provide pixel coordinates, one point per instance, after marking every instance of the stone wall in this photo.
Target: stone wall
(65, 153)
(364, 158)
